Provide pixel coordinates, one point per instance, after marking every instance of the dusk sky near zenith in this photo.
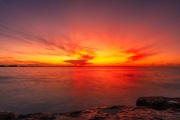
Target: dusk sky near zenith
(90, 32)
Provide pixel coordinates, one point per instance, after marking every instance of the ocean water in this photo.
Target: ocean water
(64, 89)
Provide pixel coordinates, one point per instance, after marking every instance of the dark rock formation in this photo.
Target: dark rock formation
(74, 114)
(159, 103)
(143, 111)
(37, 116)
(7, 115)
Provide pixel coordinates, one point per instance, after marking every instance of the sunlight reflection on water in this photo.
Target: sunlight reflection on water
(63, 89)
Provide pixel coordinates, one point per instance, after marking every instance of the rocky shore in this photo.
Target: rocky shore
(147, 108)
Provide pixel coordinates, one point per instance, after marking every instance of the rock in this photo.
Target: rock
(159, 103)
(37, 116)
(7, 115)
(117, 107)
(74, 113)
(110, 111)
(143, 111)
(174, 104)
(98, 118)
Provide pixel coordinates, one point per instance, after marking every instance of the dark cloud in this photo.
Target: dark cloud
(82, 61)
(77, 62)
(87, 57)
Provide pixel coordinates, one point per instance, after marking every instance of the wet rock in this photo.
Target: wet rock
(98, 118)
(7, 115)
(174, 104)
(117, 107)
(110, 111)
(143, 111)
(159, 103)
(74, 113)
(37, 116)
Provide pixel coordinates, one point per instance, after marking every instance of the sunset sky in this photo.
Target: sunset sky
(90, 32)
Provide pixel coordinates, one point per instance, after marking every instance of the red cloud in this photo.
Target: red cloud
(140, 53)
(137, 57)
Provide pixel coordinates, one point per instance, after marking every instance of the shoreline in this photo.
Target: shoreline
(147, 108)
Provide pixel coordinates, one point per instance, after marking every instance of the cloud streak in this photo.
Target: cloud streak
(66, 45)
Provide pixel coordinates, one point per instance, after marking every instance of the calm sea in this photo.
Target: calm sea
(64, 89)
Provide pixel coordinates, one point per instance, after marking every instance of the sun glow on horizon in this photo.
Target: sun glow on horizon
(89, 33)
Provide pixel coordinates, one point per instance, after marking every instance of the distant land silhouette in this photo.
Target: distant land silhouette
(9, 66)
(15, 65)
